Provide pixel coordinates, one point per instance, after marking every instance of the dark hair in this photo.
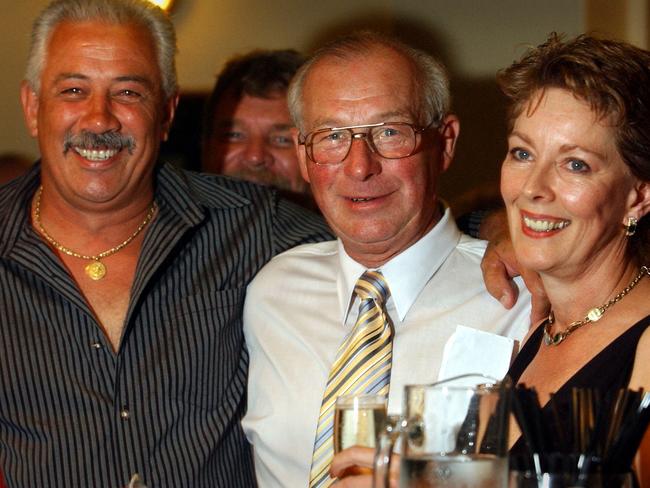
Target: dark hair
(260, 73)
(613, 77)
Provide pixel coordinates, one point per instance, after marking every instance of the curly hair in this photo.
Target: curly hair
(613, 77)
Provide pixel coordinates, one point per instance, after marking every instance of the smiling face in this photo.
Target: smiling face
(252, 140)
(566, 189)
(378, 207)
(100, 88)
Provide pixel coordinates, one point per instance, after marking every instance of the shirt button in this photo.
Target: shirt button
(124, 413)
(96, 345)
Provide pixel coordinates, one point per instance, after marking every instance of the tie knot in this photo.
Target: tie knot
(372, 284)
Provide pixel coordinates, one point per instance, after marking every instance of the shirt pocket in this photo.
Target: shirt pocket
(201, 358)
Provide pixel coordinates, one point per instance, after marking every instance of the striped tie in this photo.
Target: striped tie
(362, 366)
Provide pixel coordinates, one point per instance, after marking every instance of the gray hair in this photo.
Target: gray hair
(139, 12)
(431, 75)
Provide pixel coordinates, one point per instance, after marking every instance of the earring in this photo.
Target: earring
(630, 226)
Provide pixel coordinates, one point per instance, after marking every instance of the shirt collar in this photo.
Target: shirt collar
(186, 194)
(15, 207)
(408, 272)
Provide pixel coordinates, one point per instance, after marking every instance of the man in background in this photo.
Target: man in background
(246, 132)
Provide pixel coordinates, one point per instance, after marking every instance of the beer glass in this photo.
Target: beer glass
(358, 420)
(452, 434)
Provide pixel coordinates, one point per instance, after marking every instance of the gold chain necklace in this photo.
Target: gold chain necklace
(95, 270)
(593, 315)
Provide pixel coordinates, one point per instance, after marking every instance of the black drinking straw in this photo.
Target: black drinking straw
(528, 414)
(604, 435)
(621, 455)
(559, 433)
(616, 417)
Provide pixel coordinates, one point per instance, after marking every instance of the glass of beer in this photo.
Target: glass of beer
(358, 420)
(453, 434)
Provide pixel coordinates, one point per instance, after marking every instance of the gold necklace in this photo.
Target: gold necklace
(593, 315)
(95, 270)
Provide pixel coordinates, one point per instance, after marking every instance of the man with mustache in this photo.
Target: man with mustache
(122, 279)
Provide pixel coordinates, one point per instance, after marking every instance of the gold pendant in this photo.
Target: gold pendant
(95, 270)
(595, 314)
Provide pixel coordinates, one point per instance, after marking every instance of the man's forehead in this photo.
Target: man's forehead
(230, 122)
(360, 89)
(91, 49)
(330, 121)
(232, 97)
(384, 56)
(269, 109)
(103, 41)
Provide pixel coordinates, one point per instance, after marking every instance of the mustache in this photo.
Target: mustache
(105, 140)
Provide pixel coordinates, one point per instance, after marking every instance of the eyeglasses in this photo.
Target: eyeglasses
(390, 140)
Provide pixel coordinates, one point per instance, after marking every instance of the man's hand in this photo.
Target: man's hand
(353, 467)
(500, 265)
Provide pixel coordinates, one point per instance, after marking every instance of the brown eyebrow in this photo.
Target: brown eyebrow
(70, 76)
(142, 80)
(520, 136)
(383, 117)
(283, 126)
(228, 123)
(569, 147)
(563, 147)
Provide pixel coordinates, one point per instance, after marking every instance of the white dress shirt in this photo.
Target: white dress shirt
(300, 307)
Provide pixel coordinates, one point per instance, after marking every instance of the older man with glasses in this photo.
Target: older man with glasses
(374, 309)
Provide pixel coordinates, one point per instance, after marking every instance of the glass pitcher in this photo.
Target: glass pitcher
(452, 433)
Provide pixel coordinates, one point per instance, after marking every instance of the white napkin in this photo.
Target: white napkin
(475, 351)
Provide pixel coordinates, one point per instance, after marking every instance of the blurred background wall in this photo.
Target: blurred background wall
(474, 38)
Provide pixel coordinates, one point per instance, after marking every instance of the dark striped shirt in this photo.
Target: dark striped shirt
(167, 405)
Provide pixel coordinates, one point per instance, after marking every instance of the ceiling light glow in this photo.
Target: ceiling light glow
(163, 4)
